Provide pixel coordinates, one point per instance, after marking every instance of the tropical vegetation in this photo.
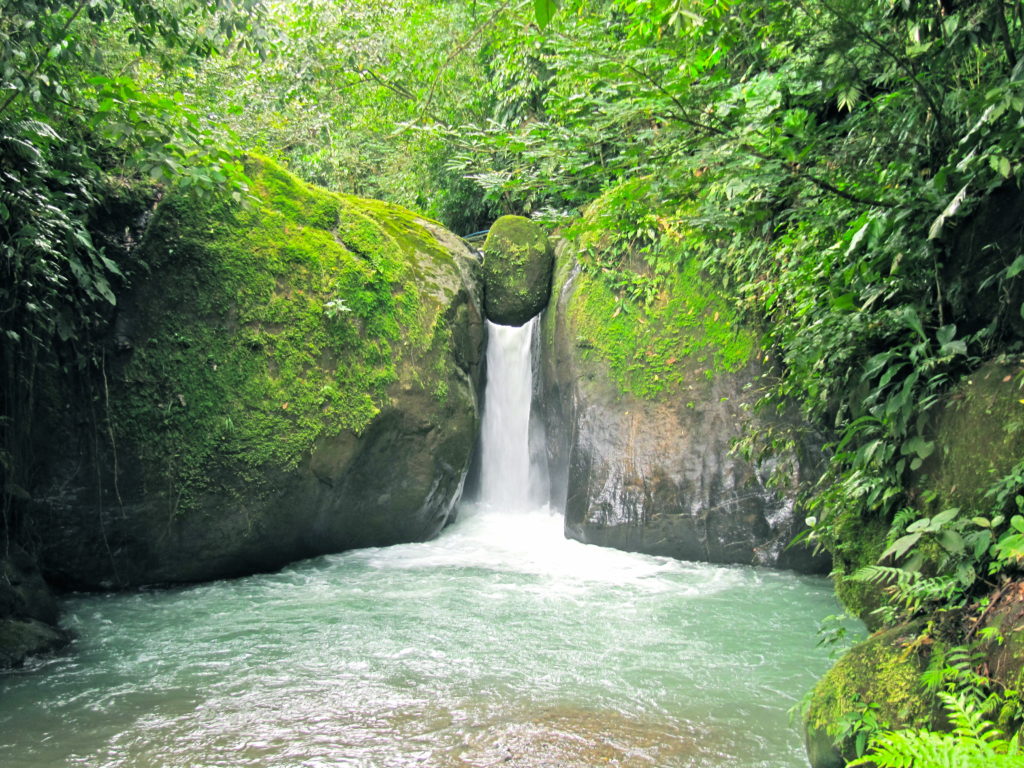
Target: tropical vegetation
(847, 171)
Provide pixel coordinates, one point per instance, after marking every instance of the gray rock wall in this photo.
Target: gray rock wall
(656, 475)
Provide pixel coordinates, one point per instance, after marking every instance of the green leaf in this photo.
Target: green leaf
(103, 288)
(900, 546)
(952, 542)
(946, 516)
(946, 333)
(544, 10)
(912, 321)
(914, 563)
(923, 525)
(919, 446)
(948, 212)
(111, 266)
(843, 303)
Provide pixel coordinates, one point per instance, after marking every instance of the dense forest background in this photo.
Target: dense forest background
(848, 171)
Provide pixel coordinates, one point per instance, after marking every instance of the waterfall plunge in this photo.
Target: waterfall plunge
(507, 479)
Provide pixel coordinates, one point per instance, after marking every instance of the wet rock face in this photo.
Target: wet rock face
(656, 474)
(28, 610)
(656, 478)
(517, 271)
(291, 379)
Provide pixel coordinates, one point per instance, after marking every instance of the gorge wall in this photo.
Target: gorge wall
(642, 408)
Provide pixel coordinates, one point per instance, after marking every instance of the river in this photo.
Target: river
(500, 643)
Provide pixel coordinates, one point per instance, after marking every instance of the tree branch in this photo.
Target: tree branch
(1004, 32)
(401, 90)
(39, 63)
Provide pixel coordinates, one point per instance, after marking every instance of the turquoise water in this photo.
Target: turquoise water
(500, 643)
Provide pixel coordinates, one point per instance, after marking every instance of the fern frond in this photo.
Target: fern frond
(974, 743)
(884, 574)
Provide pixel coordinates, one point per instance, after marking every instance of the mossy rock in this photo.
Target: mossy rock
(290, 377)
(655, 397)
(1004, 647)
(518, 261)
(857, 542)
(882, 673)
(979, 437)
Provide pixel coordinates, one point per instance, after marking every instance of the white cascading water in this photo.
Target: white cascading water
(505, 477)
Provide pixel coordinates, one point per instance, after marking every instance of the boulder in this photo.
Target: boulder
(290, 377)
(882, 672)
(642, 407)
(28, 610)
(518, 261)
(21, 639)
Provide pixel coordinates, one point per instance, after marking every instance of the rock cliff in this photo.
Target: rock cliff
(641, 411)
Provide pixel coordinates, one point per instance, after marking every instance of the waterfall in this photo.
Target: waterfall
(506, 479)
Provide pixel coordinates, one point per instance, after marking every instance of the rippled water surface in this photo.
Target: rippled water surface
(500, 643)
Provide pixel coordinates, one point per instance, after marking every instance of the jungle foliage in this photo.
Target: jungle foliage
(83, 118)
(841, 167)
(847, 171)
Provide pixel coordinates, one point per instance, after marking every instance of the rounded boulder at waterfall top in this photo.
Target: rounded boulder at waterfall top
(518, 262)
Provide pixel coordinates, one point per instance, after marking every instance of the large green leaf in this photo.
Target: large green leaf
(545, 10)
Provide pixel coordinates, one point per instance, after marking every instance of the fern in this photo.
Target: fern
(909, 589)
(974, 743)
(953, 670)
(903, 517)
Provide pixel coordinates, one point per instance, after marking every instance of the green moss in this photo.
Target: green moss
(858, 542)
(267, 328)
(980, 437)
(516, 270)
(511, 243)
(686, 336)
(883, 673)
